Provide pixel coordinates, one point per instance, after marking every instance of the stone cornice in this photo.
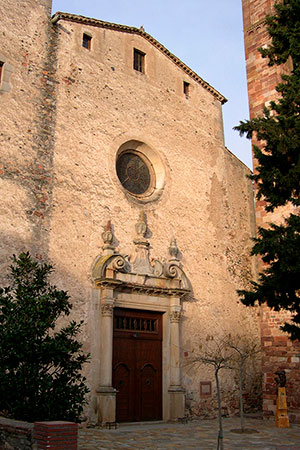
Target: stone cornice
(133, 30)
(135, 288)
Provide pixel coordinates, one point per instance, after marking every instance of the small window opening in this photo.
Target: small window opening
(186, 88)
(86, 41)
(205, 389)
(1, 70)
(138, 60)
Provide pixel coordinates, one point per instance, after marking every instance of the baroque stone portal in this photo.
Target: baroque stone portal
(138, 284)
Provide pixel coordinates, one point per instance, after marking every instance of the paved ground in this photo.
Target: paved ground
(199, 435)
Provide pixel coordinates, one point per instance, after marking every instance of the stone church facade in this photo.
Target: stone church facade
(113, 167)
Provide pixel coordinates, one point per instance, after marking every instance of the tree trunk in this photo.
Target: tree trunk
(241, 396)
(220, 435)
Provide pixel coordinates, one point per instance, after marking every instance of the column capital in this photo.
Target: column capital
(175, 316)
(107, 309)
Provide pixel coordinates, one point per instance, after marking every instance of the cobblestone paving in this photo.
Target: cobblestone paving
(199, 435)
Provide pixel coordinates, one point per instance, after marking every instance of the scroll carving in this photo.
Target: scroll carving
(171, 270)
(119, 262)
(139, 273)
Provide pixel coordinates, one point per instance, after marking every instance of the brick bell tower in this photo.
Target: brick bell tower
(278, 352)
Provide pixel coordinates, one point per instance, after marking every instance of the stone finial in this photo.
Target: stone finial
(173, 250)
(172, 267)
(108, 237)
(140, 262)
(141, 226)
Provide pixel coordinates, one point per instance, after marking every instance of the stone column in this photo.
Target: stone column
(176, 392)
(175, 348)
(106, 344)
(106, 393)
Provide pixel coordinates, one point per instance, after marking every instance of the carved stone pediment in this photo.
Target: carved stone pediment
(138, 274)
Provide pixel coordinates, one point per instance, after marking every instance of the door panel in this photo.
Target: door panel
(124, 378)
(148, 376)
(122, 375)
(137, 365)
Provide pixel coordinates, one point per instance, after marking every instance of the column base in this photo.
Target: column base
(177, 402)
(106, 403)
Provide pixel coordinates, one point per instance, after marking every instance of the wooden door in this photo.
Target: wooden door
(137, 365)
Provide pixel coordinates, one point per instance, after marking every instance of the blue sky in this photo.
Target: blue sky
(205, 35)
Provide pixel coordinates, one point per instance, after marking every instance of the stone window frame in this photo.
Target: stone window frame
(5, 74)
(152, 183)
(205, 389)
(157, 166)
(88, 39)
(186, 89)
(139, 59)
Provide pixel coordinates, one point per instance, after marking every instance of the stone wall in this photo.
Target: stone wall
(70, 111)
(28, 112)
(16, 435)
(206, 201)
(278, 351)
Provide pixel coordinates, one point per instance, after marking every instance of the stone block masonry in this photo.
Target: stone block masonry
(261, 79)
(15, 434)
(278, 352)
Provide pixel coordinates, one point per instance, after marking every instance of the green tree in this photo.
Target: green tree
(277, 174)
(40, 367)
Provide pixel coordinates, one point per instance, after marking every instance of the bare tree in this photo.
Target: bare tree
(217, 354)
(244, 349)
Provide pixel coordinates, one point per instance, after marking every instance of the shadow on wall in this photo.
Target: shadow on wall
(83, 306)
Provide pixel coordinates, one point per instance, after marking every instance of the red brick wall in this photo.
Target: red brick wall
(277, 351)
(261, 78)
(56, 435)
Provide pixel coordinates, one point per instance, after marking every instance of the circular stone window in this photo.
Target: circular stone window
(140, 171)
(135, 172)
